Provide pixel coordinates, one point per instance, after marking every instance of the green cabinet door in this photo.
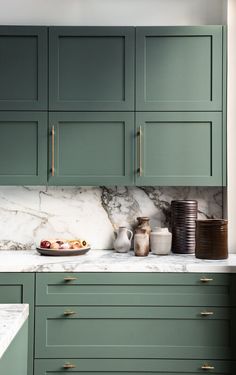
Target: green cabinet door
(91, 68)
(179, 68)
(130, 367)
(91, 148)
(23, 68)
(179, 149)
(131, 332)
(23, 148)
(19, 288)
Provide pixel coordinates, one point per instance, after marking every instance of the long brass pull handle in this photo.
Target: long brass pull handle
(207, 367)
(69, 365)
(140, 171)
(69, 312)
(206, 279)
(207, 313)
(70, 278)
(53, 151)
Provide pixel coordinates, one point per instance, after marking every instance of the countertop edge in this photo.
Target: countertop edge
(11, 326)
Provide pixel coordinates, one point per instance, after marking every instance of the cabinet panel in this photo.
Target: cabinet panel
(92, 148)
(23, 148)
(19, 288)
(145, 332)
(132, 289)
(14, 360)
(179, 148)
(91, 68)
(130, 366)
(23, 68)
(179, 68)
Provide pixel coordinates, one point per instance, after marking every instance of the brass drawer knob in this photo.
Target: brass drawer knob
(69, 365)
(207, 367)
(207, 313)
(69, 312)
(206, 279)
(70, 278)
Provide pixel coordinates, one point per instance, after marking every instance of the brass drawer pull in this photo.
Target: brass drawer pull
(140, 170)
(70, 278)
(207, 313)
(69, 312)
(69, 365)
(206, 279)
(53, 151)
(207, 367)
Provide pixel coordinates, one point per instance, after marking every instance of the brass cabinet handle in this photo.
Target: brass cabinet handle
(140, 171)
(207, 313)
(70, 278)
(69, 312)
(206, 279)
(69, 365)
(53, 151)
(207, 367)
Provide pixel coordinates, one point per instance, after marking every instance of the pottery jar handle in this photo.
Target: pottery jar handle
(115, 234)
(131, 234)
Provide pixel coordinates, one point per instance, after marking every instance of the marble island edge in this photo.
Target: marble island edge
(110, 261)
(12, 318)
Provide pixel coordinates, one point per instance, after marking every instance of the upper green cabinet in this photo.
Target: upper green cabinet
(23, 68)
(179, 68)
(23, 148)
(91, 148)
(91, 68)
(179, 148)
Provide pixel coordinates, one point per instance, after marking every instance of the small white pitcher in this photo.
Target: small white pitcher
(123, 240)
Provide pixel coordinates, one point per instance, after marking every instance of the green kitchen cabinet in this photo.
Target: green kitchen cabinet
(179, 148)
(91, 148)
(91, 68)
(14, 360)
(19, 288)
(130, 366)
(132, 289)
(132, 332)
(23, 68)
(179, 68)
(23, 148)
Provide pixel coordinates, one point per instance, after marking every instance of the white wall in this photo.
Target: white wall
(112, 12)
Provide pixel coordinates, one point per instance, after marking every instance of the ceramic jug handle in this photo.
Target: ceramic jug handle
(131, 234)
(115, 234)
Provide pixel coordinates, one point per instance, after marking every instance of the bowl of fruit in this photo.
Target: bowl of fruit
(63, 247)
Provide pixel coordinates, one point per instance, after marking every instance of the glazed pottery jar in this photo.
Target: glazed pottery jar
(160, 241)
(123, 239)
(143, 225)
(211, 239)
(141, 243)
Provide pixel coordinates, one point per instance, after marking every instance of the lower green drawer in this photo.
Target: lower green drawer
(132, 332)
(132, 366)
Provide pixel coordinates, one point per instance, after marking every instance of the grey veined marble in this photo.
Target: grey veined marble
(29, 214)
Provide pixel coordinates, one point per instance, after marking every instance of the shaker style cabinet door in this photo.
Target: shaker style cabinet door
(91, 68)
(23, 68)
(91, 148)
(179, 149)
(179, 68)
(23, 148)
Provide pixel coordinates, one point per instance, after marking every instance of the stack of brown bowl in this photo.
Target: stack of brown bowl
(212, 239)
(183, 222)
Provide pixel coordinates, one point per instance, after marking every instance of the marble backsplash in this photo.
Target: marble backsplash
(29, 214)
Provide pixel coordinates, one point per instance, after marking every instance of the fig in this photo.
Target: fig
(45, 244)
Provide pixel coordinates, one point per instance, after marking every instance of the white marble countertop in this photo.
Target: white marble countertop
(109, 261)
(12, 318)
